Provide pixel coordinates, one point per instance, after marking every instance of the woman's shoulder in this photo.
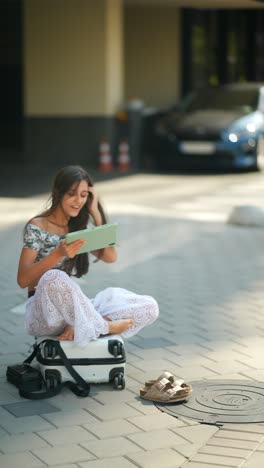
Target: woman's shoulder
(39, 222)
(39, 227)
(36, 227)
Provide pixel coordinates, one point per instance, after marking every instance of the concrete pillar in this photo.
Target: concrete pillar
(114, 56)
(153, 53)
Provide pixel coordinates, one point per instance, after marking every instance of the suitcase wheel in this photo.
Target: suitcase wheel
(119, 381)
(52, 379)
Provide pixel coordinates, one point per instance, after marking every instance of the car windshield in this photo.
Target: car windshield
(224, 99)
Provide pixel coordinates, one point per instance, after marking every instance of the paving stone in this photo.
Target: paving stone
(116, 396)
(156, 439)
(150, 354)
(227, 367)
(155, 342)
(69, 418)
(144, 406)
(3, 372)
(6, 398)
(138, 377)
(165, 458)
(235, 443)
(107, 448)
(115, 411)
(257, 428)
(155, 421)
(255, 461)
(153, 366)
(30, 408)
(16, 460)
(225, 451)
(9, 349)
(29, 424)
(255, 375)
(62, 454)
(202, 465)
(13, 358)
(232, 376)
(116, 462)
(65, 466)
(189, 373)
(189, 349)
(71, 435)
(20, 443)
(67, 401)
(261, 447)
(106, 429)
(253, 363)
(24, 341)
(217, 460)
(192, 360)
(2, 432)
(187, 450)
(197, 434)
(239, 435)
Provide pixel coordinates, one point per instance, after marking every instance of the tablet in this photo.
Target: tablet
(96, 237)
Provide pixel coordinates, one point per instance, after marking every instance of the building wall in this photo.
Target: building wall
(73, 57)
(152, 54)
(73, 78)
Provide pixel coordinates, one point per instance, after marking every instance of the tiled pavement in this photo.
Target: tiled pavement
(208, 279)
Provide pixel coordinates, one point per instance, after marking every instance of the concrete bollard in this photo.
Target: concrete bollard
(247, 215)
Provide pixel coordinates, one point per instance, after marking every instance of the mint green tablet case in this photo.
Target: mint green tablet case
(96, 237)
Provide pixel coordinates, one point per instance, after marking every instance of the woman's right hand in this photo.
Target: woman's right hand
(70, 250)
(29, 271)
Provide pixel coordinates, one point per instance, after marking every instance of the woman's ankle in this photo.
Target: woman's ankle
(119, 326)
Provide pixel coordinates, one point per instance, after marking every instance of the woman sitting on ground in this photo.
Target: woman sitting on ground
(56, 305)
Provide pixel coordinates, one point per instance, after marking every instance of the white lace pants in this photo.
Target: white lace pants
(59, 301)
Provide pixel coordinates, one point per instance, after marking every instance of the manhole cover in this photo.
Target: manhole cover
(221, 401)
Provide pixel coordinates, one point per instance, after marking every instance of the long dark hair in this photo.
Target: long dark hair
(63, 181)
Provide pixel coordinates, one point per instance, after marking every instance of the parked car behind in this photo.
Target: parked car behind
(219, 127)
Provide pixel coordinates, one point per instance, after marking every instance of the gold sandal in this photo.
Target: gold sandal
(162, 391)
(172, 379)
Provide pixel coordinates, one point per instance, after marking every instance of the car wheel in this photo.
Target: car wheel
(260, 153)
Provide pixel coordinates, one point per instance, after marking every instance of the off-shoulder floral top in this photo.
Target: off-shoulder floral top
(42, 241)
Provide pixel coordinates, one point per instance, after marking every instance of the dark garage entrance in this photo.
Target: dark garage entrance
(221, 46)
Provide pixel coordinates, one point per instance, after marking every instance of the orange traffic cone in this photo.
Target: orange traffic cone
(123, 156)
(105, 158)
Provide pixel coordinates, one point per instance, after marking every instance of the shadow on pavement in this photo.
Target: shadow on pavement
(26, 180)
(21, 180)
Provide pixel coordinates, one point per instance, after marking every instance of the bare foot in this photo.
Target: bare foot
(67, 334)
(118, 326)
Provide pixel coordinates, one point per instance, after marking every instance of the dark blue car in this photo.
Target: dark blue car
(217, 127)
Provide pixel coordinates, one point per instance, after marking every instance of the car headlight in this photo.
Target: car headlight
(233, 137)
(249, 131)
(251, 128)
